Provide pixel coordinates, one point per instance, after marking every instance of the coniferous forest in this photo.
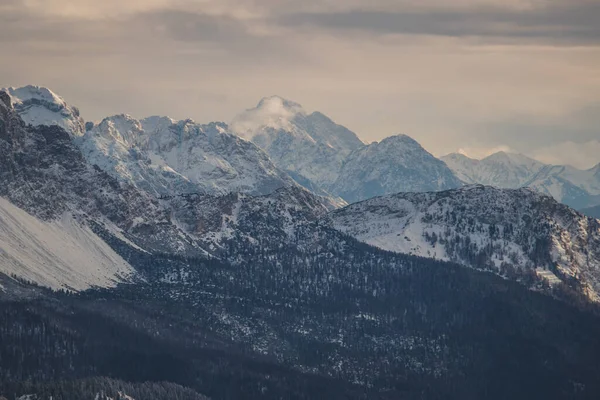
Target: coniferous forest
(336, 319)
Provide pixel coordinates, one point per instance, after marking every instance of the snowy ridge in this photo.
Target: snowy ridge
(44, 173)
(569, 185)
(61, 254)
(505, 170)
(157, 154)
(40, 106)
(167, 157)
(500, 230)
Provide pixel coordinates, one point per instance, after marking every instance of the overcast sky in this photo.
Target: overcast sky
(475, 75)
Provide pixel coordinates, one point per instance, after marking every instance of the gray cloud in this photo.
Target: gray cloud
(191, 27)
(572, 22)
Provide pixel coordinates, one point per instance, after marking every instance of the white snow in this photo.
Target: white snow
(311, 145)
(167, 157)
(40, 106)
(59, 254)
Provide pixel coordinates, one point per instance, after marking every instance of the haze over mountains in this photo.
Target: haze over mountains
(168, 157)
(198, 258)
(576, 188)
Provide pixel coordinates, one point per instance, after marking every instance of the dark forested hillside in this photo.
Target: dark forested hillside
(328, 317)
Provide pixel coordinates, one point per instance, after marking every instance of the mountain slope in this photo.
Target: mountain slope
(506, 231)
(396, 164)
(44, 173)
(569, 185)
(212, 157)
(311, 146)
(60, 254)
(275, 218)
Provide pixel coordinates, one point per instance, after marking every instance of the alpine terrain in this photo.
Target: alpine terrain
(161, 259)
(508, 231)
(311, 147)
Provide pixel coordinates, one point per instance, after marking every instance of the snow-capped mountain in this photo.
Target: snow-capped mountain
(40, 106)
(311, 147)
(502, 230)
(569, 185)
(241, 296)
(396, 164)
(168, 157)
(44, 173)
(113, 147)
(501, 169)
(157, 154)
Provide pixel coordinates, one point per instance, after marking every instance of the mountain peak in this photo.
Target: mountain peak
(310, 146)
(400, 139)
(278, 105)
(38, 105)
(509, 156)
(22, 94)
(272, 112)
(396, 164)
(121, 127)
(458, 156)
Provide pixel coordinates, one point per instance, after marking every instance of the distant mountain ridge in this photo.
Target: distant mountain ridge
(320, 154)
(576, 188)
(396, 164)
(278, 144)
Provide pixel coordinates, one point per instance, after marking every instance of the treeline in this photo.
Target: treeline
(98, 388)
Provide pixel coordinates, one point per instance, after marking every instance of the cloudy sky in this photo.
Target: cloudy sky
(470, 75)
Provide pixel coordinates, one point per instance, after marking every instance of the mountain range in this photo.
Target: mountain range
(279, 144)
(164, 259)
(579, 189)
